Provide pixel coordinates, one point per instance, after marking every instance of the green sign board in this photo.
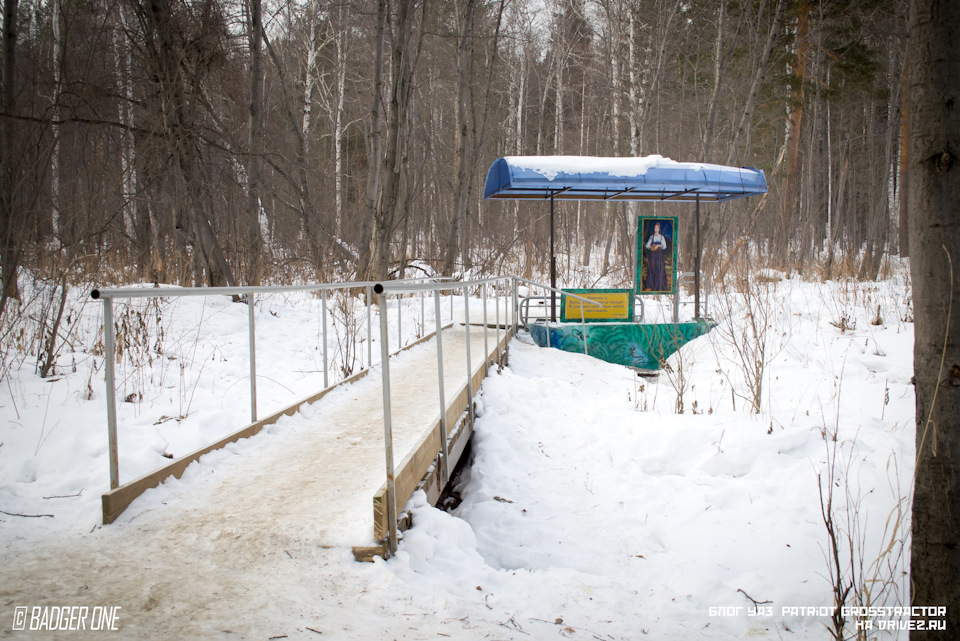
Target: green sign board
(614, 305)
(657, 255)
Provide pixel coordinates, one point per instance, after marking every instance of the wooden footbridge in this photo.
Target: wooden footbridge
(360, 448)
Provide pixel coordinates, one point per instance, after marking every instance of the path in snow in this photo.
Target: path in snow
(189, 558)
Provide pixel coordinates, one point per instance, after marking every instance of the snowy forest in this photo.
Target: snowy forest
(216, 142)
(798, 458)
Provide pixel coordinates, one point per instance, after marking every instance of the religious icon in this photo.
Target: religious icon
(657, 255)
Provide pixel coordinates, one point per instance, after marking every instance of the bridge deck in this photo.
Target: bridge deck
(305, 485)
(320, 471)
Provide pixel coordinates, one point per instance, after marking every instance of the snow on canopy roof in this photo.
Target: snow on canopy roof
(651, 178)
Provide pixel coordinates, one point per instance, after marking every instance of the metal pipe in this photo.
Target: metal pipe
(111, 380)
(160, 292)
(583, 328)
(633, 226)
(705, 284)
(444, 462)
(387, 425)
(323, 318)
(496, 296)
(466, 318)
(516, 306)
(486, 346)
(559, 291)
(676, 303)
(369, 330)
(251, 328)
(553, 269)
(696, 269)
(399, 287)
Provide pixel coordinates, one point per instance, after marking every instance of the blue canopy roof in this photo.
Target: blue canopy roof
(648, 178)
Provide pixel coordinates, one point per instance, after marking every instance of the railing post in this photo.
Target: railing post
(706, 295)
(546, 323)
(466, 322)
(323, 317)
(369, 330)
(486, 346)
(387, 422)
(251, 328)
(496, 298)
(444, 465)
(111, 380)
(516, 306)
(583, 328)
(676, 303)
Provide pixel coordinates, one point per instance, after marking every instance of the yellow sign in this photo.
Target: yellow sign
(614, 305)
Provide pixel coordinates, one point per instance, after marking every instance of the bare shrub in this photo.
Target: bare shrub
(747, 322)
(859, 577)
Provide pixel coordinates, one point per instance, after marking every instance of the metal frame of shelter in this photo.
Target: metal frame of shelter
(643, 179)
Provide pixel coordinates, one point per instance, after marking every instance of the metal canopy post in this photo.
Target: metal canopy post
(696, 269)
(553, 268)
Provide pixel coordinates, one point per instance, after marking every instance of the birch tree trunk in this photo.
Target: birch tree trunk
(341, 44)
(124, 63)
(635, 113)
(719, 66)
(795, 114)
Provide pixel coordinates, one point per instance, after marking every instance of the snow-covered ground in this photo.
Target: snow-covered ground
(593, 507)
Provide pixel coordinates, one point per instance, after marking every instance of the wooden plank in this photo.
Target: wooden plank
(369, 553)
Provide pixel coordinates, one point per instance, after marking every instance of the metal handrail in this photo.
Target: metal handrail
(583, 324)
(688, 276)
(163, 292)
(525, 309)
(382, 290)
(108, 295)
(525, 305)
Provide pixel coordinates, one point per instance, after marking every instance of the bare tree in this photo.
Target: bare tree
(255, 245)
(178, 120)
(11, 223)
(464, 143)
(934, 208)
(388, 216)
